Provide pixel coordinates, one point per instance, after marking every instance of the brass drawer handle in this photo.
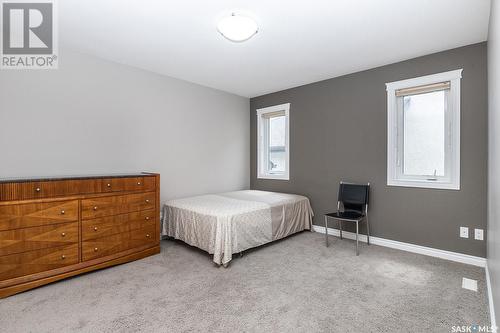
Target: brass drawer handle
(63, 257)
(95, 207)
(147, 200)
(138, 183)
(63, 212)
(109, 185)
(63, 234)
(95, 228)
(38, 189)
(147, 218)
(148, 235)
(96, 249)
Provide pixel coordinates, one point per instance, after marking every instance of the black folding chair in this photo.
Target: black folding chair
(352, 206)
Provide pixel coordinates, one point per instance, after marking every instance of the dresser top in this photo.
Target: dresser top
(69, 177)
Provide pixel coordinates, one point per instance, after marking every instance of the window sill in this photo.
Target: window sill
(275, 177)
(424, 184)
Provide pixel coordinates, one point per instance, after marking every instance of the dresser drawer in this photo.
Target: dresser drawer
(49, 189)
(36, 238)
(114, 205)
(37, 214)
(142, 184)
(26, 263)
(109, 245)
(26, 190)
(111, 225)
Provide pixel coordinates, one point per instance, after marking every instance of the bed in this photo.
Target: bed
(227, 223)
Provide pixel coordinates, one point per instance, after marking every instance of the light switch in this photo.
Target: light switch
(464, 232)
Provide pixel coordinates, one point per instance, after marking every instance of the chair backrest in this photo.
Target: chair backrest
(354, 197)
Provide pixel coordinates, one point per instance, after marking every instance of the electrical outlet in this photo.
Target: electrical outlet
(464, 232)
(478, 234)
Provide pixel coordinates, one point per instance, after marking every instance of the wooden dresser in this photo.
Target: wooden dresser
(53, 228)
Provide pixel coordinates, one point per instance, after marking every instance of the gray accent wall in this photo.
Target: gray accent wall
(338, 131)
(494, 154)
(96, 116)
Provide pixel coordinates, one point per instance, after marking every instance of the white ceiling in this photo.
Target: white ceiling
(298, 42)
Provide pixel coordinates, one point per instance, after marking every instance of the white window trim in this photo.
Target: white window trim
(261, 171)
(453, 183)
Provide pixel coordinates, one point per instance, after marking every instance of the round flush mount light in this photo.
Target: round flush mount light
(237, 28)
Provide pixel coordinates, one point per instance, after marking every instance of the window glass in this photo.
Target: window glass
(424, 134)
(276, 141)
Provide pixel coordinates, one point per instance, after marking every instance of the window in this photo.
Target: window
(423, 142)
(273, 142)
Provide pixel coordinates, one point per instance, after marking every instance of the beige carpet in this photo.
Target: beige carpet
(294, 285)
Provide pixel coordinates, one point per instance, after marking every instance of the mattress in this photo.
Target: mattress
(227, 223)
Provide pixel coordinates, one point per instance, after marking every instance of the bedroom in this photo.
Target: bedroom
(171, 166)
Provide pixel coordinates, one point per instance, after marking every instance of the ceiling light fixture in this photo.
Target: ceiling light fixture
(237, 28)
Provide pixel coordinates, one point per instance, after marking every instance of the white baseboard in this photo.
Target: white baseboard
(428, 251)
(490, 299)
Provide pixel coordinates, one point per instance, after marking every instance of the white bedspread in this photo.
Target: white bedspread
(227, 223)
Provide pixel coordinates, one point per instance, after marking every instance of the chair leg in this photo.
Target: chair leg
(367, 230)
(340, 223)
(326, 230)
(357, 231)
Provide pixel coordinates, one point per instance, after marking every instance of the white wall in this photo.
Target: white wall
(494, 153)
(95, 116)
